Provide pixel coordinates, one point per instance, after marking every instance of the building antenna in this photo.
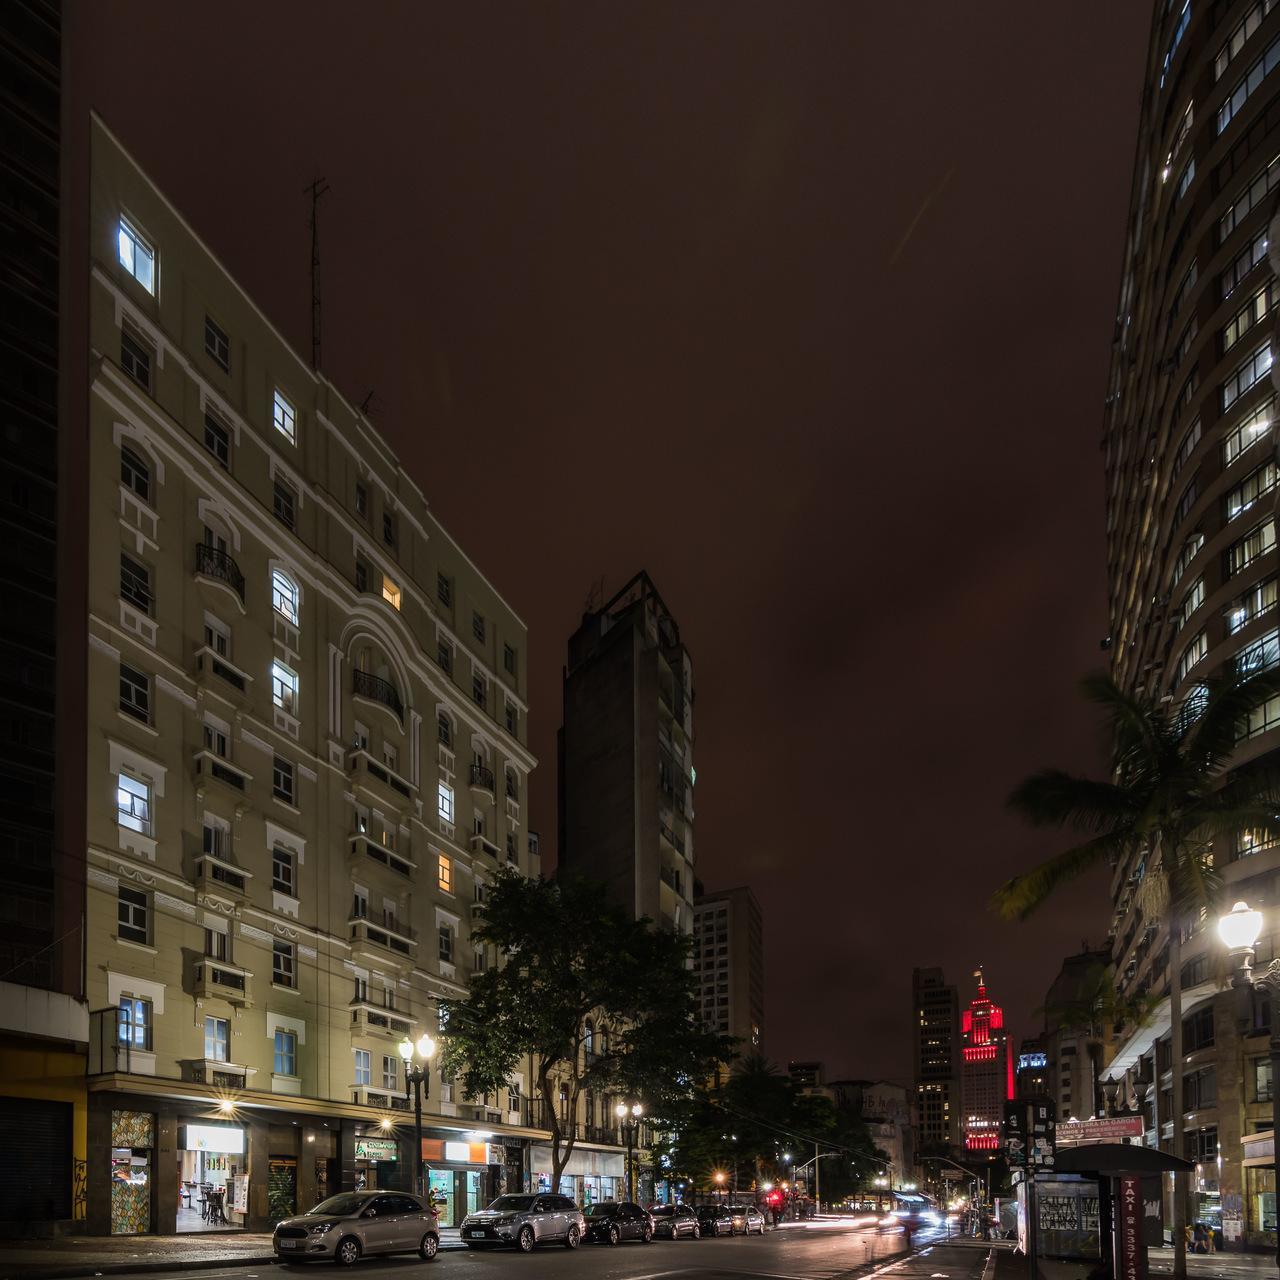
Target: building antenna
(318, 188)
(366, 402)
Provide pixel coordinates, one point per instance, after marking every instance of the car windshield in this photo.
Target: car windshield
(509, 1204)
(601, 1210)
(708, 1211)
(344, 1205)
(662, 1211)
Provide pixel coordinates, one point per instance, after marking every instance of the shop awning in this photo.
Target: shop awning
(1117, 1157)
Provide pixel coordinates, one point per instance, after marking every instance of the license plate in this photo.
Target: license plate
(288, 1244)
(475, 1235)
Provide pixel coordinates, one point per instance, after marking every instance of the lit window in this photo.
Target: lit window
(284, 418)
(135, 1022)
(284, 688)
(284, 596)
(137, 257)
(1266, 63)
(1257, 484)
(444, 802)
(286, 1063)
(133, 804)
(390, 592)
(1247, 375)
(1248, 432)
(1244, 551)
(445, 876)
(1192, 654)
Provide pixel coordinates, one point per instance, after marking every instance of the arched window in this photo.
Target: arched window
(284, 596)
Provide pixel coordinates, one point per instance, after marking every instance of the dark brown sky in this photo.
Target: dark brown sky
(633, 286)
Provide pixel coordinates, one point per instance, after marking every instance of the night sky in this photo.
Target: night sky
(803, 308)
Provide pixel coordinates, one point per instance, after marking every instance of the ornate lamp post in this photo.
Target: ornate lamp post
(633, 1112)
(1239, 929)
(417, 1072)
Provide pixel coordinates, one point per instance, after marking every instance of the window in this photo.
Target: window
(1197, 1030)
(509, 659)
(284, 596)
(283, 964)
(513, 1096)
(362, 500)
(1261, 1079)
(1252, 313)
(362, 991)
(1244, 262)
(284, 688)
(135, 583)
(217, 439)
(137, 257)
(390, 592)
(283, 417)
(360, 738)
(479, 693)
(1244, 551)
(479, 962)
(1192, 654)
(215, 945)
(390, 1071)
(444, 730)
(1263, 653)
(1191, 602)
(1185, 179)
(1248, 432)
(359, 903)
(135, 474)
(217, 837)
(282, 779)
(1239, 37)
(444, 802)
(444, 656)
(1201, 1145)
(216, 343)
(478, 626)
(215, 739)
(217, 1039)
(217, 636)
(1251, 372)
(363, 1066)
(1255, 485)
(444, 874)
(1200, 1088)
(512, 718)
(133, 915)
(389, 528)
(1185, 503)
(1266, 63)
(133, 804)
(391, 756)
(1249, 198)
(135, 694)
(135, 1022)
(282, 871)
(446, 944)
(1188, 283)
(513, 786)
(1190, 549)
(284, 504)
(444, 589)
(1256, 601)
(286, 1058)
(362, 575)
(1179, 30)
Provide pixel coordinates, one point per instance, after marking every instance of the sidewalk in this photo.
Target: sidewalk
(109, 1255)
(1205, 1266)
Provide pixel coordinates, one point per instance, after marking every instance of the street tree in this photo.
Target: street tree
(596, 1000)
(1173, 805)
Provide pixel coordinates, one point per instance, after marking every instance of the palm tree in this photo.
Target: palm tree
(1172, 794)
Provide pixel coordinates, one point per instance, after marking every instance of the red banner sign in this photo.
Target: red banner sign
(1133, 1253)
(1111, 1130)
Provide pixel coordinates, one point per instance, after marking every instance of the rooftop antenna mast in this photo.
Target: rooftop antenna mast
(318, 188)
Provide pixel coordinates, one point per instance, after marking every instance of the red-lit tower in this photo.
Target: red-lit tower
(986, 1071)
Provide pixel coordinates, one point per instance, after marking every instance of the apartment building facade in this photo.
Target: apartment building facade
(1190, 457)
(728, 933)
(935, 1037)
(306, 756)
(626, 776)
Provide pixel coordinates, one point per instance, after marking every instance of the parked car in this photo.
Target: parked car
(613, 1221)
(715, 1220)
(525, 1221)
(345, 1227)
(671, 1221)
(747, 1219)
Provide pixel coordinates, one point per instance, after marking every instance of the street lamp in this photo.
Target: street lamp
(418, 1074)
(718, 1176)
(633, 1111)
(1239, 929)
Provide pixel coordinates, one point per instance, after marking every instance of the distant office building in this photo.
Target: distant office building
(1031, 1072)
(986, 1071)
(805, 1075)
(885, 1108)
(935, 1035)
(728, 934)
(626, 757)
(1077, 1036)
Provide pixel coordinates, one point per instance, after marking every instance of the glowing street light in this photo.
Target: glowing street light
(418, 1074)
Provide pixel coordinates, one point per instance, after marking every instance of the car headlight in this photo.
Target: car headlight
(505, 1220)
(321, 1227)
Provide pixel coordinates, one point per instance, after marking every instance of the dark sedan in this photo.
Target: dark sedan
(671, 1221)
(613, 1221)
(715, 1220)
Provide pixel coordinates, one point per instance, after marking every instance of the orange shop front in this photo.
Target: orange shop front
(461, 1176)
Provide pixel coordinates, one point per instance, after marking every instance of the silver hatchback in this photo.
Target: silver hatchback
(345, 1227)
(525, 1221)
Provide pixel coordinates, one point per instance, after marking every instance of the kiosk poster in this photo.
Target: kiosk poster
(1015, 1134)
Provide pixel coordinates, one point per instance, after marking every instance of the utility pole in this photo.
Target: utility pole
(817, 1181)
(318, 188)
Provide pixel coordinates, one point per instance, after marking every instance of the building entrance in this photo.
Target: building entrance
(212, 1177)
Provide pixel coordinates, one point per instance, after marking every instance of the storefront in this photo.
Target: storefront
(462, 1176)
(1259, 1191)
(213, 1176)
(590, 1176)
(133, 1140)
(377, 1162)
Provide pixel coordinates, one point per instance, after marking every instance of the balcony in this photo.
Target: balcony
(671, 879)
(219, 567)
(376, 689)
(215, 1072)
(479, 844)
(215, 673)
(216, 979)
(373, 1019)
(674, 838)
(365, 846)
(384, 1099)
(360, 761)
(482, 778)
(209, 765)
(213, 872)
(390, 936)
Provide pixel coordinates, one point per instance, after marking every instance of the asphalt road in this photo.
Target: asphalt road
(818, 1251)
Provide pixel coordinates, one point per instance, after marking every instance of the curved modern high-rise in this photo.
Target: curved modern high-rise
(1191, 480)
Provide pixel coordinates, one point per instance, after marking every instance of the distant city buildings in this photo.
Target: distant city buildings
(935, 1035)
(885, 1108)
(728, 933)
(1031, 1069)
(986, 1071)
(626, 773)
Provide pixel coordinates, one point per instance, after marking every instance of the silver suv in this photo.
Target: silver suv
(525, 1221)
(345, 1226)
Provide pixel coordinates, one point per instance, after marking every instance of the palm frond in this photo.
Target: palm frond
(1016, 899)
(1212, 736)
(1053, 797)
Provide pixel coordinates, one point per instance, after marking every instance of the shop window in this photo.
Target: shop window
(286, 1057)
